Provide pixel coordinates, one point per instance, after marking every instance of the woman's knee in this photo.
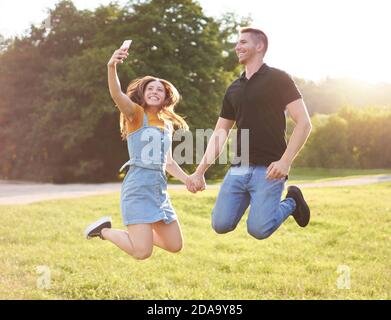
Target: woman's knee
(142, 253)
(176, 247)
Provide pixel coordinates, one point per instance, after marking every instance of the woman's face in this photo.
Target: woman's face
(154, 94)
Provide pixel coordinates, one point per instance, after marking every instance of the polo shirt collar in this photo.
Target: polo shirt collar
(264, 67)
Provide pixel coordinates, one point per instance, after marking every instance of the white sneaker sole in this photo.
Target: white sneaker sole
(94, 225)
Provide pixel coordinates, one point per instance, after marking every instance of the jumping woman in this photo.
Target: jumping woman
(147, 118)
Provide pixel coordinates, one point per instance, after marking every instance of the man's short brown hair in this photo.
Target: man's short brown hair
(259, 34)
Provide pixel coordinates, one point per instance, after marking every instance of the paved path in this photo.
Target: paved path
(27, 192)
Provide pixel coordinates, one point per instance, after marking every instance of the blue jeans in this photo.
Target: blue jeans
(244, 186)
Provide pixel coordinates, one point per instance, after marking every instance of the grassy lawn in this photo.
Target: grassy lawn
(299, 175)
(350, 226)
(302, 175)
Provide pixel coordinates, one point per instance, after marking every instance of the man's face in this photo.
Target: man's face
(247, 47)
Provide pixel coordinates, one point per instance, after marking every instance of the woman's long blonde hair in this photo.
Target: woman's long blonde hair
(135, 92)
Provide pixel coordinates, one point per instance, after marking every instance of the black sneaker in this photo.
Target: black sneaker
(302, 211)
(95, 229)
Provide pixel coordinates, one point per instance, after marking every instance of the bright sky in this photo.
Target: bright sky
(308, 39)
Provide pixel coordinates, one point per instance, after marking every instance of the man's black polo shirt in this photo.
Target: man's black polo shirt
(259, 104)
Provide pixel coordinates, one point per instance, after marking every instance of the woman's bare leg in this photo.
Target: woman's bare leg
(137, 241)
(168, 236)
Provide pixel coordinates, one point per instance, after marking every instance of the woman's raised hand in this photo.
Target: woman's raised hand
(118, 57)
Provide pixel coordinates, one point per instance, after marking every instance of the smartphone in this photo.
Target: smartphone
(126, 44)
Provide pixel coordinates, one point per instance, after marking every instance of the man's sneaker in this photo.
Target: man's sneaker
(95, 229)
(302, 211)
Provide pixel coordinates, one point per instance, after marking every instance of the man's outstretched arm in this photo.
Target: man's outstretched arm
(213, 150)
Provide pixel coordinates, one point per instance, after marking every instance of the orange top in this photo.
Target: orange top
(137, 120)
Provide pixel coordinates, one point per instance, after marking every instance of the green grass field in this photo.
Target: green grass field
(302, 175)
(350, 226)
(299, 175)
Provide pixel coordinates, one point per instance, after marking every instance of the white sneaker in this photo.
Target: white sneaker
(95, 229)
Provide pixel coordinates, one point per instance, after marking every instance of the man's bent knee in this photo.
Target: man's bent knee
(260, 233)
(221, 227)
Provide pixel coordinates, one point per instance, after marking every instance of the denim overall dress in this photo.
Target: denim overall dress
(144, 197)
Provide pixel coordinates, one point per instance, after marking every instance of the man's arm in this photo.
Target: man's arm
(298, 112)
(213, 150)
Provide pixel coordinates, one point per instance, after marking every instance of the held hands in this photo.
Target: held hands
(195, 182)
(118, 57)
(278, 170)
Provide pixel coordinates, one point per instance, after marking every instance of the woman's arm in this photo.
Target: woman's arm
(174, 169)
(124, 103)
